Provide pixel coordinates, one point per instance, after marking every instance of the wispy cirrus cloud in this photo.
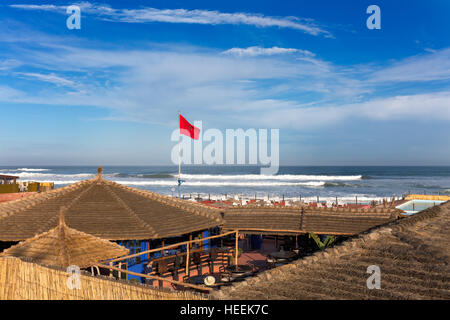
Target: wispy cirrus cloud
(290, 86)
(429, 106)
(51, 78)
(197, 16)
(149, 85)
(259, 51)
(434, 65)
(9, 64)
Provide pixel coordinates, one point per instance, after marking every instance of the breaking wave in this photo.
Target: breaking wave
(221, 184)
(25, 176)
(269, 177)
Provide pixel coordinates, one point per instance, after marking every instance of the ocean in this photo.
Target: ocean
(292, 182)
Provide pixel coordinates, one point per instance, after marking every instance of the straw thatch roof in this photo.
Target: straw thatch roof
(337, 221)
(63, 246)
(107, 210)
(412, 253)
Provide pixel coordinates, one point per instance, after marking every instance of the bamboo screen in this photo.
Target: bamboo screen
(21, 280)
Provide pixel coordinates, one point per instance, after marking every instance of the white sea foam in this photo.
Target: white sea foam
(28, 176)
(31, 170)
(220, 184)
(294, 177)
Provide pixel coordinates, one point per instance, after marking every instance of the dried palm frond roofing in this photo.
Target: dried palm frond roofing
(337, 221)
(63, 246)
(412, 253)
(107, 210)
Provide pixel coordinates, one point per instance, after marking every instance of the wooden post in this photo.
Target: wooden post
(188, 257)
(236, 250)
(110, 270)
(162, 245)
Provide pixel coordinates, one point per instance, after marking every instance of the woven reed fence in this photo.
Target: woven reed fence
(21, 280)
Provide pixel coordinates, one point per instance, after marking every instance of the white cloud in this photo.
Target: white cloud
(424, 67)
(283, 90)
(9, 94)
(289, 114)
(9, 64)
(42, 7)
(258, 51)
(211, 17)
(51, 78)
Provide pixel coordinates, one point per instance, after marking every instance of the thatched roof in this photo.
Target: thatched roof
(338, 221)
(63, 246)
(412, 253)
(107, 210)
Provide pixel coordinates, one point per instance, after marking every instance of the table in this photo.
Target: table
(200, 280)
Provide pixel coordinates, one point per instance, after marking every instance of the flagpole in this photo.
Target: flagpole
(179, 158)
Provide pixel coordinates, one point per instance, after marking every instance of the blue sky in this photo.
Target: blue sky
(339, 93)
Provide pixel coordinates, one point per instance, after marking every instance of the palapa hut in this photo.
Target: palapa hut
(110, 211)
(412, 254)
(291, 221)
(63, 246)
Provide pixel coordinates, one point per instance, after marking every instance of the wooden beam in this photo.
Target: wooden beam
(188, 257)
(148, 253)
(155, 277)
(294, 231)
(236, 250)
(169, 246)
(190, 239)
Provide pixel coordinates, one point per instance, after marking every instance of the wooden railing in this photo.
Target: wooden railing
(204, 259)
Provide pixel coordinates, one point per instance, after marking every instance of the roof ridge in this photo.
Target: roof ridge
(64, 256)
(129, 210)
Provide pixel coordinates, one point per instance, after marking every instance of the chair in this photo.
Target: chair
(162, 268)
(211, 259)
(197, 259)
(224, 272)
(176, 266)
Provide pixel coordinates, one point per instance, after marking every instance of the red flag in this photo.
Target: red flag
(187, 129)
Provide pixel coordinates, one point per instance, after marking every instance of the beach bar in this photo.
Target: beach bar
(170, 242)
